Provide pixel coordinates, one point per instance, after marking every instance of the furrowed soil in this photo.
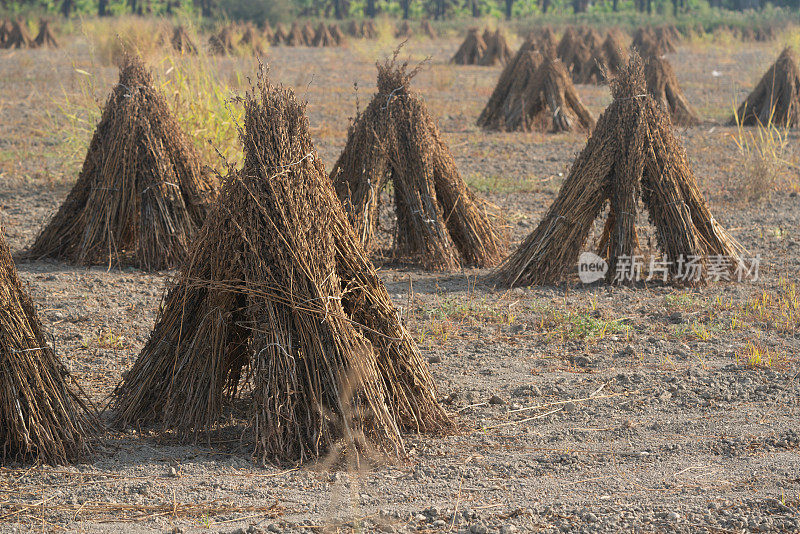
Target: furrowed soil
(581, 408)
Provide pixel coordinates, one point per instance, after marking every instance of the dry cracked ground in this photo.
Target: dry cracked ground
(582, 408)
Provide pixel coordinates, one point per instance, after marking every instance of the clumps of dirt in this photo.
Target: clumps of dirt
(631, 155)
(662, 84)
(776, 98)
(279, 300)
(141, 196)
(44, 415)
(441, 223)
(542, 100)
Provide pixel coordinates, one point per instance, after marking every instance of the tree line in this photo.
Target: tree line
(341, 9)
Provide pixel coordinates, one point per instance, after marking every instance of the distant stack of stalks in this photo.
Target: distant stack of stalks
(535, 93)
(776, 98)
(591, 58)
(656, 41)
(15, 34)
(489, 48)
(321, 35)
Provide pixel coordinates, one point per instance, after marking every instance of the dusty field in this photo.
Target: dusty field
(583, 409)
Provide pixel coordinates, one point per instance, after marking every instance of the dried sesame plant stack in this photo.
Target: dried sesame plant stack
(278, 293)
(45, 37)
(663, 85)
(441, 224)
(17, 36)
(547, 102)
(776, 98)
(631, 154)
(497, 50)
(44, 416)
(471, 50)
(515, 76)
(426, 28)
(140, 197)
(182, 42)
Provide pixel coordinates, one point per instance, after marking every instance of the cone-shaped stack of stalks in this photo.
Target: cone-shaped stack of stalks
(44, 416)
(631, 154)
(441, 224)
(471, 50)
(141, 196)
(663, 85)
(278, 289)
(776, 98)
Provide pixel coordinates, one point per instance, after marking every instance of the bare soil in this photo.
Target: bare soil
(582, 408)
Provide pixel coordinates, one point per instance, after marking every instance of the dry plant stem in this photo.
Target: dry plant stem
(631, 155)
(279, 289)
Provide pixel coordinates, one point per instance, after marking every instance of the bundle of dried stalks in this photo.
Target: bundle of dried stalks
(663, 85)
(547, 102)
(323, 37)
(441, 224)
(252, 40)
(581, 65)
(427, 29)
(308, 33)
(776, 98)
(632, 154)
(547, 42)
(281, 35)
(45, 36)
(44, 415)
(278, 292)
(404, 30)
(268, 34)
(497, 50)
(368, 29)
(182, 42)
(566, 46)
(512, 81)
(471, 50)
(221, 43)
(140, 196)
(666, 39)
(354, 29)
(337, 34)
(615, 55)
(5, 31)
(295, 36)
(17, 36)
(592, 39)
